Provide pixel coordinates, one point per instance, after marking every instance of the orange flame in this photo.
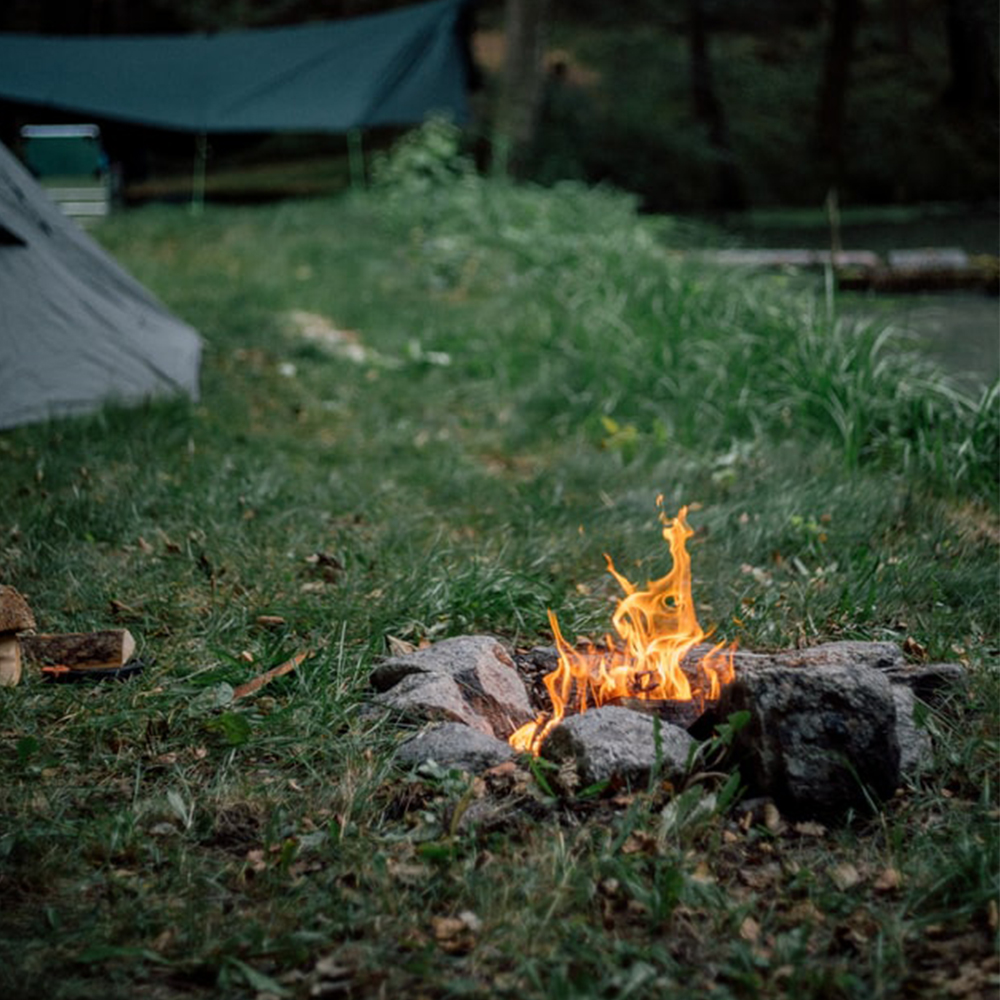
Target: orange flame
(656, 629)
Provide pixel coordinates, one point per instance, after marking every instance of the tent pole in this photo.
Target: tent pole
(198, 177)
(356, 157)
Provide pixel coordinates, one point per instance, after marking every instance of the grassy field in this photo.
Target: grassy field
(426, 411)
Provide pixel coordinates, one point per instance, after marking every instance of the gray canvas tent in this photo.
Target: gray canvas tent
(75, 329)
(394, 68)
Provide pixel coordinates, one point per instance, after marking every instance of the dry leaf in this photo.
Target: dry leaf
(806, 912)
(772, 818)
(255, 860)
(703, 874)
(408, 874)
(889, 880)
(808, 828)
(270, 621)
(456, 935)
(399, 647)
(762, 877)
(844, 876)
(639, 842)
(750, 930)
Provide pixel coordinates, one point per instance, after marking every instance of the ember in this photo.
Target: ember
(656, 628)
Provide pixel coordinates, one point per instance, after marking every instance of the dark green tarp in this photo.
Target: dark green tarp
(388, 69)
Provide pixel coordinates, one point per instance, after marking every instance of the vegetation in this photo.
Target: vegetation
(427, 410)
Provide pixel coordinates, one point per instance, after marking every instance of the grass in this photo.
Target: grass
(540, 365)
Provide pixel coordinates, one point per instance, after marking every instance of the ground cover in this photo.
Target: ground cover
(427, 411)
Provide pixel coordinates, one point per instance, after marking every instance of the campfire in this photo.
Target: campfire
(655, 628)
(824, 730)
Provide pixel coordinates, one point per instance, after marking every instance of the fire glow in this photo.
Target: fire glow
(656, 628)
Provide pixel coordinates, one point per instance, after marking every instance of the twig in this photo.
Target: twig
(265, 678)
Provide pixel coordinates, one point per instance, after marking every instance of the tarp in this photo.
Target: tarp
(394, 68)
(76, 330)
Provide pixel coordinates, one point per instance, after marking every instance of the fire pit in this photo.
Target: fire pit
(827, 730)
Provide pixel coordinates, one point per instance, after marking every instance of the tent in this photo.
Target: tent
(75, 329)
(394, 68)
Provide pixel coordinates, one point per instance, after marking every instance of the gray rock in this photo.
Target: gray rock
(930, 682)
(481, 670)
(454, 745)
(431, 697)
(874, 655)
(915, 749)
(821, 741)
(617, 743)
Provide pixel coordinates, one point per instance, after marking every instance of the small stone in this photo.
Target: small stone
(453, 745)
(430, 697)
(482, 672)
(616, 743)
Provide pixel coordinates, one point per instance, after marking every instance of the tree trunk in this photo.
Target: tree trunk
(517, 117)
(834, 86)
(709, 112)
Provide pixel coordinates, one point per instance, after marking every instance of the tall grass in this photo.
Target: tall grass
(632, 335)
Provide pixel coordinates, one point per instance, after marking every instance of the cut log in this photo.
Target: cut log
(103, 650)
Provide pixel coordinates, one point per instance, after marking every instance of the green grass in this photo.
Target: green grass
(543, 364)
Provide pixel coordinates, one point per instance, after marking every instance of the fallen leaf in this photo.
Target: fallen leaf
(399, 647)
(772, 818)
(255, 860)
(270, 621)
(889, 880)
(762, 877)
(639, 842)
(703, 874)
(750, 930)
(806, 912)
(844, 876)
(808, 828)
(456, 935)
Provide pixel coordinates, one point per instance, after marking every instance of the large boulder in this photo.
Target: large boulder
(821, 738)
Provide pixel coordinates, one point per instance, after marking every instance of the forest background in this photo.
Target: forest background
(694, 105)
